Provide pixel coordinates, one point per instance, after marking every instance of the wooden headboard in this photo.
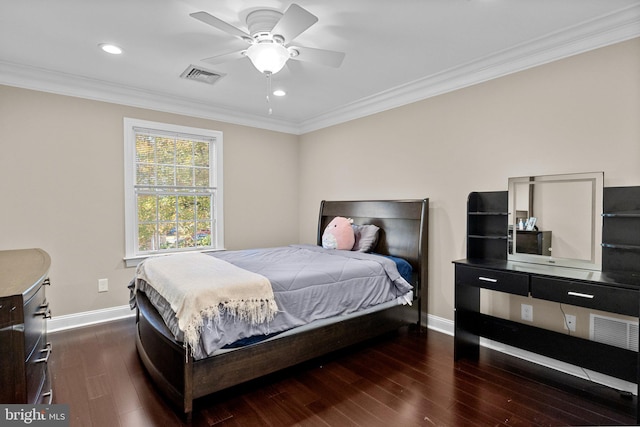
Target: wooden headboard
(404, 229)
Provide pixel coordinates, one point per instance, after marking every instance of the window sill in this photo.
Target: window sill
(133, 261)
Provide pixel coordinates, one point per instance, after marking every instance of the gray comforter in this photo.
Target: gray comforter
(309, 283)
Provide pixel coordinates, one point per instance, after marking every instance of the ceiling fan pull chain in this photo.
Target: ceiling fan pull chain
(270, 110)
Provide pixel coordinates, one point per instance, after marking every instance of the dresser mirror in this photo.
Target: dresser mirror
(556, 220)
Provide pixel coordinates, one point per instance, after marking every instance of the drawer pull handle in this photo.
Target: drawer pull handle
(44, 311)
(487, 279)
(45, 359)
(50, 394)
(578, 294)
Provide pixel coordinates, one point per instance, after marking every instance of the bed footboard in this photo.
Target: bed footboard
(254, 361)
(181, 379)
(164, 358)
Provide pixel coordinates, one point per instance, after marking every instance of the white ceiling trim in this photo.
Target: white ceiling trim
(82, 87)
(606, 30)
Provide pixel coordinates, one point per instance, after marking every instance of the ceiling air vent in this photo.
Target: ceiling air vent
(201, 75)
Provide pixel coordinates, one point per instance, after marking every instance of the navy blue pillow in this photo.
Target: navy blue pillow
(404, 268)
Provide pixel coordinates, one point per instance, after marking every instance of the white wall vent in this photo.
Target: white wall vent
(201, 75)
(612, 331)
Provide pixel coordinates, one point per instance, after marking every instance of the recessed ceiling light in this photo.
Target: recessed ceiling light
(279, 92)
(110, 48)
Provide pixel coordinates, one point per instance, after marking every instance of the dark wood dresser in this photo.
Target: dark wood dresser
(24, 350)
(615, 289)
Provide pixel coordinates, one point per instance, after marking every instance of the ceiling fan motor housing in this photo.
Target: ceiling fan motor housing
(260, 22)
(269, 36)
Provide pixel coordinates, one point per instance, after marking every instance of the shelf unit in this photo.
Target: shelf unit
(487, 224)
(621, 229)
(616, 289)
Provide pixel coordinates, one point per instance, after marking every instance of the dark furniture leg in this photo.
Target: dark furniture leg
(467, 309)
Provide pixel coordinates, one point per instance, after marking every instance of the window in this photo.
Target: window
(173, 189)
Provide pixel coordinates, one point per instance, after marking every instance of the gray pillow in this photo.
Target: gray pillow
(366, 237)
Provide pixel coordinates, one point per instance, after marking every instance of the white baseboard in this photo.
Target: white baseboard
(447, 327)
(439, 324)
(78, 320)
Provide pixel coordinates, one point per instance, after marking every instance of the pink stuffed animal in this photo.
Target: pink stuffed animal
(339, 234)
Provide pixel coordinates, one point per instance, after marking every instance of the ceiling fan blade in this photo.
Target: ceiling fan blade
(329, 58)
(294, 22)
(225, 57)
(221, 25)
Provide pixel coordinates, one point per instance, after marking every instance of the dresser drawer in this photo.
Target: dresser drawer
(36, 370)
(10, 311)
(36, 313)
(513, 283)
(46, 394)
(598, 297)
(23, 333)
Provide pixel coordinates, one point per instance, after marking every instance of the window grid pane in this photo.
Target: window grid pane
(173, 192)
(167, 222)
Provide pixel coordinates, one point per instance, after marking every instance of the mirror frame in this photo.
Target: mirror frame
(597, 187)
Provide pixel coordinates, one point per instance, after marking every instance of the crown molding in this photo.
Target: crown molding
(606, 30)
(43, 80)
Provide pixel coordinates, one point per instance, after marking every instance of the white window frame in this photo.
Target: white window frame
(132, 256)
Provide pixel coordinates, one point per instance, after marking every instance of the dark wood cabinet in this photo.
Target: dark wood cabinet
(531, 242)
(615, 289)
(621, 229)
(487, 220)
(24, 350)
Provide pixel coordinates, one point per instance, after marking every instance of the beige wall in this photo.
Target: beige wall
(61, 189)
(580, 114)
(61, 167)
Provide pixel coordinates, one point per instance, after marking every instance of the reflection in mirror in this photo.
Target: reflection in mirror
(556, 220)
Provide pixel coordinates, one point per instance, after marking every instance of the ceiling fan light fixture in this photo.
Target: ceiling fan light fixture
(110, 48)
(268, 57)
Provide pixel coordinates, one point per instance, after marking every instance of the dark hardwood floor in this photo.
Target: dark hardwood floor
(400, 380)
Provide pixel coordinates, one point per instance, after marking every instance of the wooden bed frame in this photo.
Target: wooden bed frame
(404, 233)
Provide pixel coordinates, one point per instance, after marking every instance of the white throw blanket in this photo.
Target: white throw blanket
(199, 286)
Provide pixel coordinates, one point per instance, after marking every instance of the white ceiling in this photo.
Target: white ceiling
(396, 52)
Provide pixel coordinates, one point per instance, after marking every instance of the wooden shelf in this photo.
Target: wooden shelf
(626, 214)
(621, 229)
(621, 246)
(489, 213)
(477, 236)
(487, 225)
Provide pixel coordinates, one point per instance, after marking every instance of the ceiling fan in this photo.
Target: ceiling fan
(270, 35)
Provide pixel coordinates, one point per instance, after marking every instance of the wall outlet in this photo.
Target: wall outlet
(570, 322)
(103, 285)
(526, 312)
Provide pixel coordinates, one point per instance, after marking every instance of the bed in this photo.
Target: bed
(182, 375)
